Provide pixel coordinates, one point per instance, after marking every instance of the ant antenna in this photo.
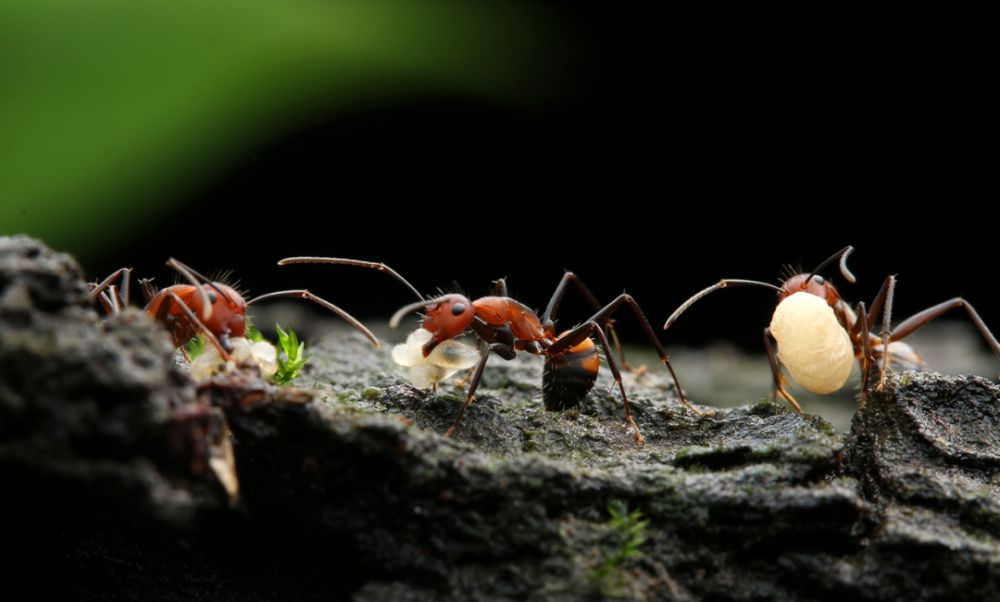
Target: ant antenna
(842, 254)
(307, 295)
(202, 279)
(365, 264)
(714, 287)
(188, 273)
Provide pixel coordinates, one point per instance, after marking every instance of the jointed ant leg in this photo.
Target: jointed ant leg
(503, 351)
(115, 301)
(464, 381)
(861, 331)
(779, 378)
(578, 334)
(190, 315)
(556, 299)
(886, 333)
(148, 292)
(618, 379)
(911, 324)
(866, 352)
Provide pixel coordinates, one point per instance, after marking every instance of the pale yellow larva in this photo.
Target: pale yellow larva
(812, 344)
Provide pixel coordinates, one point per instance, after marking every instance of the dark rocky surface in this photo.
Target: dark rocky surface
(110, 459)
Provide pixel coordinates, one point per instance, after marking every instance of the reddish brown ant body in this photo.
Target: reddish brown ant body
(508, 326)
(818, 335)
(215, 309)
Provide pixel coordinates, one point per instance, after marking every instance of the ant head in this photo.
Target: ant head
(449, 316)
(809, 283)
(229, 310)
(814, 284)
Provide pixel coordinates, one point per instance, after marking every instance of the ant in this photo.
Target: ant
(818, 336)
(508, 326)
(215, 309)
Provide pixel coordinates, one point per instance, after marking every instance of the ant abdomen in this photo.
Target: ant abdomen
(568, 377)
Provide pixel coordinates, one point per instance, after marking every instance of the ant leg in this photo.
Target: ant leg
(115, 301)
(148, 292)
(196, 280)
(109, 305)
(504, 351)
(886, 333)
(578, 334)
(866, 359)
(779, 378)
(861, 331)
(464, 381)
(307, 295)
(553, 306)
(193, 319)
(911, 324)
(618, 379)
(500, 287)
(884, 300)
(124, 290)
(614, 336)
(97, 288)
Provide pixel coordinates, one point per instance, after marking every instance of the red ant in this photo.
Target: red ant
(508, 326)
(818, 336)
(217, 310)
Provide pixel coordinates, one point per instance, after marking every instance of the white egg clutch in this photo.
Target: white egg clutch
(261, 353)
(812, 344)
(447, 358)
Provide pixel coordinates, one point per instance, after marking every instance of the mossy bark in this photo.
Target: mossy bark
(107, 450)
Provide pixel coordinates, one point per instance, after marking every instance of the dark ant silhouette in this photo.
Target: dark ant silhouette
(818, 336)
(508, 326)
(216, 310)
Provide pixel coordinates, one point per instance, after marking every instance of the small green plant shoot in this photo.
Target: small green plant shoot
(196, 346)
(254, 335)
(629, 528)
(290, 356)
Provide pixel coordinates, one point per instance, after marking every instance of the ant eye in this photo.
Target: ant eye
(457, 309)
(212, 297)
(818, 279)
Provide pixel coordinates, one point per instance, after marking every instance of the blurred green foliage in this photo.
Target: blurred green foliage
(110, 110)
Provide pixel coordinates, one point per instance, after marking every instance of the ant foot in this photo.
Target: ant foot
(637, 371)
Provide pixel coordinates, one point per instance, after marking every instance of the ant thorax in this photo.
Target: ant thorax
(443, 362)
(812, 344)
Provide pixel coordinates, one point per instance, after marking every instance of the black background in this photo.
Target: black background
(682, 154)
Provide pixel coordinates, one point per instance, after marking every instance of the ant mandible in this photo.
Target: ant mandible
(508, 326)
(818, 336)
(216, 310)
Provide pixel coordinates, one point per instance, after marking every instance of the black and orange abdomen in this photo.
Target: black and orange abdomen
(569, 376)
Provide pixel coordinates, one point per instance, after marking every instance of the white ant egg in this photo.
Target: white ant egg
(444, 361)
(210, 363)
(812, 344)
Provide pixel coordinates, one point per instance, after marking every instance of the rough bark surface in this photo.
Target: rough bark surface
(110, 459)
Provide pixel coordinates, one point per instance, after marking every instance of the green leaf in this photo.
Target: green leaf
(290, 356)
(253, 334)
(196, 346)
